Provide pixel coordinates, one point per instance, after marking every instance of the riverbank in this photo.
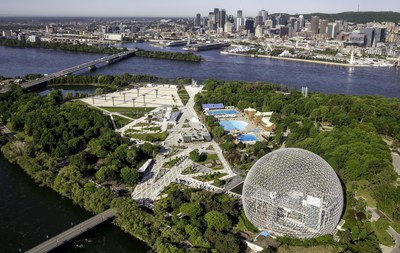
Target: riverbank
(296, 59)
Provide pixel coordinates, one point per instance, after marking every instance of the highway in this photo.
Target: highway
(73, 232)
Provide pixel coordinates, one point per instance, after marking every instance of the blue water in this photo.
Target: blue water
(317, 77)
(222, 112)
(230, 125)
(248, 137)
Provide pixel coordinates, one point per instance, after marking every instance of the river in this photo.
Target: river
(317, 77)
(30, 213)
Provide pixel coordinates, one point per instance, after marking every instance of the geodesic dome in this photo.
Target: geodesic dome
(293, 192)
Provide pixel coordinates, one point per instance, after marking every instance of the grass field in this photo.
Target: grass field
(183, 95)
(383, 236)
(121, 121)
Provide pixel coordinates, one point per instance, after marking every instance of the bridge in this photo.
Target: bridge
(73, 232)
(88, 65)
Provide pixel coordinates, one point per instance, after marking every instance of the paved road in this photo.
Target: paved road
(71, 70)
(6, 131)
(396, 238)
(73, 232)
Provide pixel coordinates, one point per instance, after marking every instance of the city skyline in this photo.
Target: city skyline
(175, 8)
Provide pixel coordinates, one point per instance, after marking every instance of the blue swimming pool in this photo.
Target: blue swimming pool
(222, 112)
(248, 137)
(230, 125)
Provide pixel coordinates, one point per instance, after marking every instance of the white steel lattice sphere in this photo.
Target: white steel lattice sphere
(293, 192)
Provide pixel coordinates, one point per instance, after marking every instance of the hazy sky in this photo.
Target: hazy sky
(184, 8)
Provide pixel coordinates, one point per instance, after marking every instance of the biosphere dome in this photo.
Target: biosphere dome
(293, 192)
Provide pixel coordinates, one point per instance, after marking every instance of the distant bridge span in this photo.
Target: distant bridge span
(73, 232)
(92, 64)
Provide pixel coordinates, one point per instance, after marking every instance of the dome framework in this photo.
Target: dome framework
(293, 192)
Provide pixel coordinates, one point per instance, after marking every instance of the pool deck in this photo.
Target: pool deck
(249, 128)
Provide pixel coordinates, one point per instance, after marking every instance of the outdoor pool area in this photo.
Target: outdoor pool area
(248, 137)
(230, 125)
(223, 112)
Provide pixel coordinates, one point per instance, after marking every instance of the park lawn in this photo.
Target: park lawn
(362, 189)
(383, 236)
(121, 121)
(212, 157)
(210, 177)
(366, 194)
(183, 95)
(149, 137)
(395, 225)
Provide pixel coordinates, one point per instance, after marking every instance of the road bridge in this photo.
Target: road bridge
(73, 232)
(88, 65)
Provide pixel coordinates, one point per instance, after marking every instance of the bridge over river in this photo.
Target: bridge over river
(88, 65)
(73, 232)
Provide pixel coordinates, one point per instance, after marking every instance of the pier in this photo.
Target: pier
(73, 232)
(88, 65)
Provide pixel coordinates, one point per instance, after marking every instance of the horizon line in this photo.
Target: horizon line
(101, 16)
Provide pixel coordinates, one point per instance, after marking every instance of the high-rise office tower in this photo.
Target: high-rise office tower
(239, 21)
(249, 25)
(315, 24)
(211, 20)
(380, 35)
(222, 18)
(259, 21)
(216, 18)
(204, 22)
(370, 33)
(333, 30)
(197, 20)
(301, 22)
(264, 14)
(323, 26)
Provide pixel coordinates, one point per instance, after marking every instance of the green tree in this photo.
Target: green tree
(130, 176)
(218, 221)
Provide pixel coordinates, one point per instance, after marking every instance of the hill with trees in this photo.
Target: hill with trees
(359, 17)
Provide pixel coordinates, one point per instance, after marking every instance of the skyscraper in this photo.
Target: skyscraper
(323, 26)
(249, 25)
(332, 30)
(197, 20)
(221, 18)
(211, 20)
(370, 33)
(315, 24)
(259, 21)
(264, 14)
(216, 18)
(239, 21)
(380, 35)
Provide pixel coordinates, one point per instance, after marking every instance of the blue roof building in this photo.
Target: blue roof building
(213, 106)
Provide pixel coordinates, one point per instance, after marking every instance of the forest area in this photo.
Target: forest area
(347, 131)
(72, 148)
